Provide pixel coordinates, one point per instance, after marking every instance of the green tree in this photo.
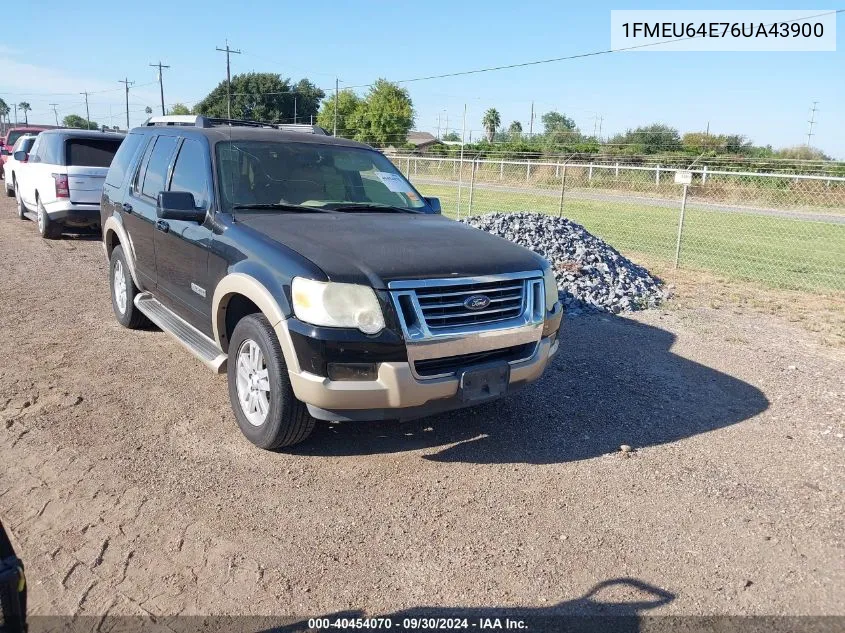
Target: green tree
(385, 116)
(76, 121)
(262, 97)
(802, 152)
(491, 121)
(452, 136)
(556, 122)
(179, 108)
(656, 138)
(148, 110)
(348, 111)
(25, 107)
(515, 130)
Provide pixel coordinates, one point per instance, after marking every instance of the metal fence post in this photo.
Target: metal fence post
(502, 170)
(471, 187)
(416, 162)
(657, 176)
(408, 167)
(562, 188)
(704, 175)
(557, 170)
(590, 173)
(617, 171)
(680, 227)
(527, 171)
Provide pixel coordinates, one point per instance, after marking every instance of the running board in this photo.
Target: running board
(190, 337)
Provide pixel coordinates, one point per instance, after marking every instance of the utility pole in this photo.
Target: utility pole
(336, 84)
(16, 115)
(294, 109)
(159, 65)
(601, 121)
(228, 51)
(438, 126)
(126, 83)
(56, 113)
(812, 122)
(87, 114)
(531, 121)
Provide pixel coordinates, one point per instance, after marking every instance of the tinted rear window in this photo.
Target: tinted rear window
(26, 145)
(91, 152)
(14, 135)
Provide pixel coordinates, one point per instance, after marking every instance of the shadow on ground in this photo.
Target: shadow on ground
(612, 605)
(615, 381)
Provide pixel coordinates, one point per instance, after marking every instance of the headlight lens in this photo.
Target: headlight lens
(550, 284)
(337, 305)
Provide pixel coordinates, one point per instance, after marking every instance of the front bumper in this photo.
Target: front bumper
(73, 213)
(399, 393)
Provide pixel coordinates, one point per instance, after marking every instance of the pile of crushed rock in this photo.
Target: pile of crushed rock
(591, 275)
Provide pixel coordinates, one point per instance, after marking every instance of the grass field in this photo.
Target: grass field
(781, 252)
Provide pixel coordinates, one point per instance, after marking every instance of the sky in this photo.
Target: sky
(52, 54)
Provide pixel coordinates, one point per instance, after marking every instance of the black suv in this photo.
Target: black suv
(330, 285)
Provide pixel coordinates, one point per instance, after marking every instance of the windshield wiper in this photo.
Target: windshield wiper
(278, 206)
(368, 206)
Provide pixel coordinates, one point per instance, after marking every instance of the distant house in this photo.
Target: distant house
(422, 140)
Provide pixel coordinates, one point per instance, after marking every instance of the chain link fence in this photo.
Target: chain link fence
(784, 230)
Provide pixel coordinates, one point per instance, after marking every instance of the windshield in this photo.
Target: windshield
(24, 144)
(14, 135)
(311, 175)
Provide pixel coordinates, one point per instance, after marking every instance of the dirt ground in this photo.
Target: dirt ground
(128, 488)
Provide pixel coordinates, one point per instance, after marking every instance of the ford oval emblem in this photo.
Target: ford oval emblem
(476, 302)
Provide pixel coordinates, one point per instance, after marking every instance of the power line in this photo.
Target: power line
(160, 85)
(228, 51)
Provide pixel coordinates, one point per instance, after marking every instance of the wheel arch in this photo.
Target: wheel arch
(238, 290)
(114, 235)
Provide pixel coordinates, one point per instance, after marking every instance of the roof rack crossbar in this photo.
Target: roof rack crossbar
(198, 120)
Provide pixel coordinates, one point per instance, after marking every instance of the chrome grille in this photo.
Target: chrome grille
(443, 307)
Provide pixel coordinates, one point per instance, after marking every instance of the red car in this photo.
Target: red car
(11, 137)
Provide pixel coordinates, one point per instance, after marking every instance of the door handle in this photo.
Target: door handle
(162, 226)
(127, 208)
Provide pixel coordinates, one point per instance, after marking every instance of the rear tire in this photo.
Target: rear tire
(123, 291)
(49, 229)
(10, 191)
(267, 412)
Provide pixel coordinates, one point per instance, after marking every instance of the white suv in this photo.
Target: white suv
(60, 182)
(23, 144)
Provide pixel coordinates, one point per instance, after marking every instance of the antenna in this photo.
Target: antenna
(812, 122)
(126, 83)
(159, 65)
(228, 51)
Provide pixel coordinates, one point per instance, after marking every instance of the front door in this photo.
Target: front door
(182, 247)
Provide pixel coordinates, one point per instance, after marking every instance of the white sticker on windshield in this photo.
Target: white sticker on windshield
(394, 182)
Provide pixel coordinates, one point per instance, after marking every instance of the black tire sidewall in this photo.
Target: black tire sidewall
(125, 319)
(255, 327)
(19, 201)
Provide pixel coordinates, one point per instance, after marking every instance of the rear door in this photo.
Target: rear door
(88, 161)
(139, 208)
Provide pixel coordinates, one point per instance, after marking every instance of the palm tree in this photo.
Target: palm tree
(515, 129)
(24, 105)
(4, 111)
(491, 121)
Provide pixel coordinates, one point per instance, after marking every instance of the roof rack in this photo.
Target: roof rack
(197, 120)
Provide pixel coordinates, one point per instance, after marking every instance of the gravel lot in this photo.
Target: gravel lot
(128, 488)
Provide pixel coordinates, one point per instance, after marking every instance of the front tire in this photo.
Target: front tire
(267, 412)
(123, 291)
(49, 229)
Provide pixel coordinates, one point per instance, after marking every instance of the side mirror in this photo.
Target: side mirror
(178, 205)
(21, 156)
(434, 203)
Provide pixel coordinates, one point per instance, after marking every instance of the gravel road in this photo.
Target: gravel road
(129, 490)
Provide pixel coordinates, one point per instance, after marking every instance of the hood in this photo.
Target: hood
(377, 248)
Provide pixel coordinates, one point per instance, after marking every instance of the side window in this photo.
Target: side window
(156, 172)
(138, 178)
(122, 159)
(190, 172)
(47, 152)
(33, 153)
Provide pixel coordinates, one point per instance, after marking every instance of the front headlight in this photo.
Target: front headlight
(337, 305)
(550, 284)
